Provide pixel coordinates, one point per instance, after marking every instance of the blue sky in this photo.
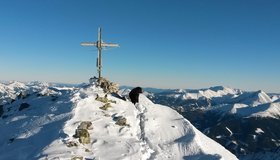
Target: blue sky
(164, 43)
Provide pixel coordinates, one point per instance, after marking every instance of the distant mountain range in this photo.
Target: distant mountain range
(246, 123)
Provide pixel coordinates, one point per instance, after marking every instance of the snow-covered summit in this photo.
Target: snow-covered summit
(44, 126)
(222, 90)
(253, 98)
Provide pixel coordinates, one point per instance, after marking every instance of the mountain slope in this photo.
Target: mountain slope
(29, 124)
(45, 127)
(253, 98)
(170, 135)
(230, 117)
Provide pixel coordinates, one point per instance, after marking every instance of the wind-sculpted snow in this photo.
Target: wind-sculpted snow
(230, 117)
(172, 137)
(45, 128)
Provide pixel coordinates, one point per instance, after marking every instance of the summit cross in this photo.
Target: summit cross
(99, 44)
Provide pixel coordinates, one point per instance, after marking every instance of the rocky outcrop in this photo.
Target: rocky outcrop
(77, 158)
(71, 144)
(23, 95)
(1, 110)
(85, 125)
(180, 109)
(104, 99)
(82, 132)
(23, 106)
(106, 106)
(121, 121)
(107, 86)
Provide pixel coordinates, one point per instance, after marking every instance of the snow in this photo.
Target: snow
(153, 131)
(231, 101)
(253, 98)
(275, 97)
(271, 110)
(219, 136)
(259, 131)
(172, 136)
(28, 131)
(268, 110)
(213, 92)
(230, 132)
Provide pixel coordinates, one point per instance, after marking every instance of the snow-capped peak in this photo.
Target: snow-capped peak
(46, 127)
(222, 90)
(253, 98)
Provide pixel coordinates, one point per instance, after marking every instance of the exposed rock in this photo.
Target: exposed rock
(22, 95)
(82, 132)
(180, 109)
(12, 101)
(71, 144)
(107, 115)
(1, 110)
(77, 158)
(84, 137)
(121, 121)
(87, 150)
(85, 125)
(106, 106)
(93, 80)
(107, 86)
(5, 116)
(11, 140)
(23, 106)
(104, 99)
(119, 96)
(54, 98)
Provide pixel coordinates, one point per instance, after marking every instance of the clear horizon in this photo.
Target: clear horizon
(163, 44)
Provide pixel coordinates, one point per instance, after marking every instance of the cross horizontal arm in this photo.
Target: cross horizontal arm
(88, 44)
(110, 45)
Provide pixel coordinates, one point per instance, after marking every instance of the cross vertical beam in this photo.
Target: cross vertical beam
(99, 44)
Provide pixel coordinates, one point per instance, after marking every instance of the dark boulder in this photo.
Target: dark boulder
(23, 106)
(1, 110)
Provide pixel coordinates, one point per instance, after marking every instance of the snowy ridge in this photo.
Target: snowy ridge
(212, 92)
(230, 117)
(11, 90)
(45, 128)
(223, 99)
(172, 136)
(150, 136)
(265, 110)
(253, 98)
(28, 131)
(251, 104)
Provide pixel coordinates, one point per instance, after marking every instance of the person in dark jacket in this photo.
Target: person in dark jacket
(134, 94)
